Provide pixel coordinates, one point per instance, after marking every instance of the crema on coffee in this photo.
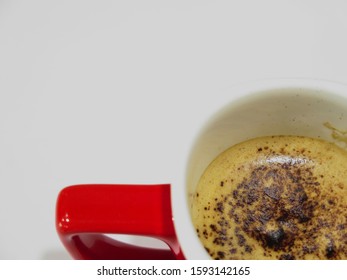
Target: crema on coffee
(279, 197)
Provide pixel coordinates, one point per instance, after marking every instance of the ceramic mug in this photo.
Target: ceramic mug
(85, 213)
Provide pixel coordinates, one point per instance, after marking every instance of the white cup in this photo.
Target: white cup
(262, 108)
(85, 213)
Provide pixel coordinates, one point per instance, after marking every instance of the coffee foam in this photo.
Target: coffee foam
(279, 197)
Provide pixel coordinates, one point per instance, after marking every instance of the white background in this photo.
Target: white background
(110, 91)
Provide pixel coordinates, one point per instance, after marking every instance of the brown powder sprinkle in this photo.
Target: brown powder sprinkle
(284, 205)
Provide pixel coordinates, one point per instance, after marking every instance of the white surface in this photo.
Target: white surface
(110, 91)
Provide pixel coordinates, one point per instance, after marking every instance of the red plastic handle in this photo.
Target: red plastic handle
(85, 213)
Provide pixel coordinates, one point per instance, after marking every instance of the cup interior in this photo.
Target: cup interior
(311, 109)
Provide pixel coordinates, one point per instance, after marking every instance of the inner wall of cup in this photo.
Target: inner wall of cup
(290, 111)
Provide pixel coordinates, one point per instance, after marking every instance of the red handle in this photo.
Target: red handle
(86, 212)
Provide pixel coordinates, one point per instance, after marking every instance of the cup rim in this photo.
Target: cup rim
(191, 246)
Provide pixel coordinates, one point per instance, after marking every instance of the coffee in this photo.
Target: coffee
(277, 197)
